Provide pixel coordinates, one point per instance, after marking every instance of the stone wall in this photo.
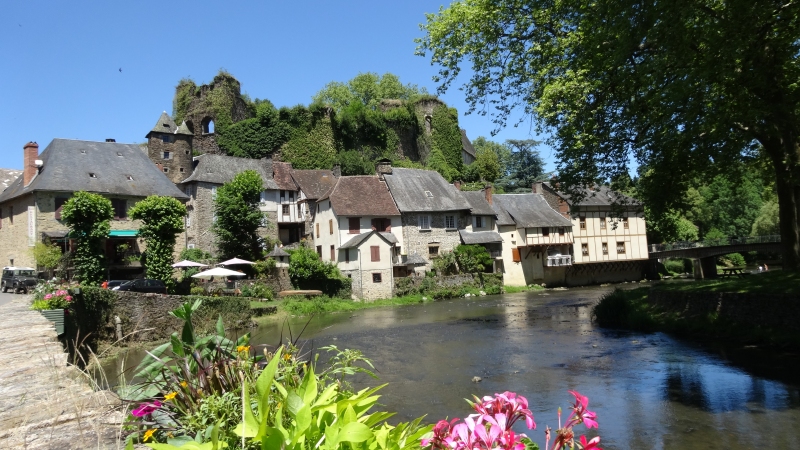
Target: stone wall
(770, 310)
(15, 248)
(179, 166)
(417, 241)
(605, 272)
(149, 313)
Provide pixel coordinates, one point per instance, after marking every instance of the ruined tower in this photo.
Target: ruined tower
(170, 147)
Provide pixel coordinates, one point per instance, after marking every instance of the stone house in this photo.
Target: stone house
(610, 234)
(481, 227)
(291, 213)
(432, 211)
(170, 147)
(358, 227)
(212, 171)
(313, 184)
(30, 208)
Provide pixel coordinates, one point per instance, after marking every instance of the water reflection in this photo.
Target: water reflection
(649, 390)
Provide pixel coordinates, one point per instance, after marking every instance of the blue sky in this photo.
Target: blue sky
(61, 61)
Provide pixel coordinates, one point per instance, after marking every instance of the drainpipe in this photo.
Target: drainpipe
(360, 276)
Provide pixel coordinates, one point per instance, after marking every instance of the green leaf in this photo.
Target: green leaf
(354, 432)
(220, 327)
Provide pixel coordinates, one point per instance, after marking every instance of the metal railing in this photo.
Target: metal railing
(683, 245)
(495, 253)
(559, 260)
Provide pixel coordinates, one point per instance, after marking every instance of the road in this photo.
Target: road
(5, 298)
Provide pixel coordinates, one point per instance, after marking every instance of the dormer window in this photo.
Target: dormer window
(92, 175)
(428, 194)
(130, 178)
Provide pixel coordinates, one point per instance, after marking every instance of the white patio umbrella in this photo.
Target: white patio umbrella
(235, 261)
(218, 272)
(187, 263)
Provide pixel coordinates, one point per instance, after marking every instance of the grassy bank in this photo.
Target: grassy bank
(631, 310)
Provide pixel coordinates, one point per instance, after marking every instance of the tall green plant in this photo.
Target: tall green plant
(238, 216)
(162, 220)
(88, 216)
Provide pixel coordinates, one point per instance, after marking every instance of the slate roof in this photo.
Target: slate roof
(220, 169)
(601, 196)
(423, 191)
(480, 237)
(314, 183)
(358, 240)
(68, 164)
(529, 211)
(364, 195)
(466, 144)
(7, 176)
(478, 204)
(415, 259)
(277, 252)
(282, 174)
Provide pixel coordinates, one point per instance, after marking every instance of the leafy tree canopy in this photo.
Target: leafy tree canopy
(238, 216)
(685, 88)
(367, 89)
(162, 219)
(88, 216)
(525, 166)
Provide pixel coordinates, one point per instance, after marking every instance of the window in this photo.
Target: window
(450, 222)
(166, 170)
(354, 224)
(561, 231)
(330, 225)
(333, 253)
(213, 192)
(376, 278)
(433, 249)
(166, 138)
(319, 251)
(382, 225)
(620, 248)
(582, 221)
(375, 253)
(283, 196)
(59, 204)
(317, 226)
(263, 196)
(11, 215)
(189, 212)
(478, 222)
(428, 194)
(167, 155)
(602, 222)
(285, 210)
(585, 249)
(515, 256)
(624, 222)
(120, 208)
(347, 255)
(291, 196)
(545, 231)
(605, 248)
(424, 222)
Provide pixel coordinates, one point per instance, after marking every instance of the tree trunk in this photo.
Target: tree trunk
(788, 187)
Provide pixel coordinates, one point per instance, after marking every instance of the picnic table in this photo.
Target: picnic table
(729, 272)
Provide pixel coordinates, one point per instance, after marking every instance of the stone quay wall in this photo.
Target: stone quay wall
(770, 310)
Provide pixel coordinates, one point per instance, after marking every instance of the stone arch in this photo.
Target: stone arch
(208, 125)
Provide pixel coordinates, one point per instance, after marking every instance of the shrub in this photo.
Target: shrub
(733, 260)
(308, 271)
(257, 290)
(472, 258)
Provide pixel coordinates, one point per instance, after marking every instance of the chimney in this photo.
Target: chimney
(30, 155)
(537, 188)
(337, 170)
(383, 167)
(488, 192)
(457, 184)
(111, 140)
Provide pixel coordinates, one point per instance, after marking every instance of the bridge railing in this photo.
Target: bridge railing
(682, 245)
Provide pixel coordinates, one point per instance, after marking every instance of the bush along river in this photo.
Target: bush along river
(648, 390)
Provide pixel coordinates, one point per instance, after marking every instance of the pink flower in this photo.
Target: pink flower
(441, 434)
(591, 445)
(69, 298)
(582, 415)
(146, 408)
(513, 406)
(48, 296)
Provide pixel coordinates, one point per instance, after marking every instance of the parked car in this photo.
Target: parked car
(143, 285)
(18, 279)
(114, 283)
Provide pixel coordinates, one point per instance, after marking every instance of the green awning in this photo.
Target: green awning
(123, 233)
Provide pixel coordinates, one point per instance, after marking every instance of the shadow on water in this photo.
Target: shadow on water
(649, 390)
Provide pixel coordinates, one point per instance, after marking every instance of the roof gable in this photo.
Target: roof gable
(220, 169)
(388, 238)
(100, 167)
(424, 191)
(314, 183)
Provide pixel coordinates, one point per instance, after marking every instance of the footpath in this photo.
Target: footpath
(44, 402)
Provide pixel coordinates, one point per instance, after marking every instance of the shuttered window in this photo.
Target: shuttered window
(347, 255)
(330, 225)
(120, 208)
(59, 205)
(515, 255)
(375, 252)
(354, 225)
(317, 226)
(545, 231)
(333, 253)
(382, 225)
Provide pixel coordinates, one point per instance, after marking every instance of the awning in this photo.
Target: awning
(55, 234)
(480, 237)
(123, 233)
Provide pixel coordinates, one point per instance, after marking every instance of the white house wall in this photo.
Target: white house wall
(594, 236)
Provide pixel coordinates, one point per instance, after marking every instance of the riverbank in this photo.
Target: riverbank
(761, 310)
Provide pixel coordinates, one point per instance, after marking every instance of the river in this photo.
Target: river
(648, 390)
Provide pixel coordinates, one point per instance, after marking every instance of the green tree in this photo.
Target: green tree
(487, 164)
(472, 258)
(162, 219)
(768, 220)
(503, 152)
(238, 217)
(47, 256)
(525, 166)
(256, 137)
(686, 88)
(88, 216)
(308, 271)
(353, 162)
(367, 89)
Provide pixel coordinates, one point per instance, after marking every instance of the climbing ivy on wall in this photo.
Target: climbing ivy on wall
(184, 94)
(446, 136)
(88, 216)
(256, 137)
(312, 149)
(162, 220)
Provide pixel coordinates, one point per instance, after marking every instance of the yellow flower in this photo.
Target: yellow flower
(184, 384)
(243, 348)
(287, 356)
(170, 396)
(148, 434)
